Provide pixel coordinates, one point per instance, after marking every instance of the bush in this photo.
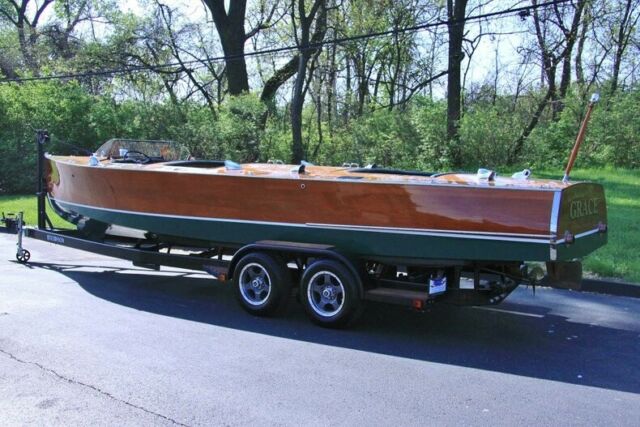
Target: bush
(411, 137)
(60, 108)
(430, 121)
(612, 138)
(386, 138)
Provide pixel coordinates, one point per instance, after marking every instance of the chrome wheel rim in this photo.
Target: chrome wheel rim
(325, 294)
(255, 284)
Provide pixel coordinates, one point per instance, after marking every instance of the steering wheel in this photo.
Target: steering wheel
(138, 156)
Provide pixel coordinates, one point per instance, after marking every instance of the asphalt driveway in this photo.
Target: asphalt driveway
(91, 340)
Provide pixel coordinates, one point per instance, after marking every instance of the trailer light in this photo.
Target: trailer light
(602, 227)
(418, 304)
(569, 238)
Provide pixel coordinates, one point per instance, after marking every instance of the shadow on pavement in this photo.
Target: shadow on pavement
(518, 338)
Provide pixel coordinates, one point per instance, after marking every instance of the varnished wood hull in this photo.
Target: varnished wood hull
(381, 219)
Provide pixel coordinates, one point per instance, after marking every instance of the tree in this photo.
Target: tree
(17, 12)
(556, 31)
(230, 26)
(317, 16)
(622, 31)
(455, 14)
(231, 30)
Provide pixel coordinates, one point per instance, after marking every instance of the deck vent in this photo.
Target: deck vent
(300, 170)
(486, 174)
(522, 175)
(232, 166)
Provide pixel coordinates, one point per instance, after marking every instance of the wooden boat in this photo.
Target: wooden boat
(369, 213)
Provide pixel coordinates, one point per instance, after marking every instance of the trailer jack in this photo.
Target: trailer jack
(22, 255)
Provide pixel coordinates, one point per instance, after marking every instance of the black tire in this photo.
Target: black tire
(23, 256)
(262, 284)
(330, 295)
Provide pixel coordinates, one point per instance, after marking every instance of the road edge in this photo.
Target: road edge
(611, 287)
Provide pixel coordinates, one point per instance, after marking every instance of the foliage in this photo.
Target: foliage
(613, 135)
(382, 137)
(79, 122)
(413, 137)
(60, 108)
(239, 133)
(429, 119)
(486, 135)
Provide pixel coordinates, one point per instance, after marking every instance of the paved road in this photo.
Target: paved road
(89, 340)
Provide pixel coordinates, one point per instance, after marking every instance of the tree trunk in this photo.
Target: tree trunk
(283, 74)
(318, 102)
(232, 34)
(297, 100)
(519, 144)
(455, 12)
(7, 69)
(347, 95)
(332, 90)
(549, 67)
(625, 30)
(580, 48)
(24, 42)
(565, 79)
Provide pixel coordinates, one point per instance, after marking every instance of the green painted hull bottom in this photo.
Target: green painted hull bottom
(582, 247)
(368, 244)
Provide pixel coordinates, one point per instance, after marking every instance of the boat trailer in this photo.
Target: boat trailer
(395, 287)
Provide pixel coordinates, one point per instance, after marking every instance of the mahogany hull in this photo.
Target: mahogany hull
(399, 219)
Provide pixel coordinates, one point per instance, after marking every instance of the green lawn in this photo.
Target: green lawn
(619, 258)
(29, 205)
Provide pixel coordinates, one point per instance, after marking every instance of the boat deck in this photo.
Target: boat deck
(328, 173)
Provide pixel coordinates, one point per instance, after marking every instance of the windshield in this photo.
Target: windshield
(167, 150)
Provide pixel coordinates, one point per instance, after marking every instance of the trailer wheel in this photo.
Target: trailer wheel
(23, 256)
(262, 284)
(329, 294)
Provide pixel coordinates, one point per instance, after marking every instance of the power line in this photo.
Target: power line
(520, 11)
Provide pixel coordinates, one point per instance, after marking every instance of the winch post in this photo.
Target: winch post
(42, 137)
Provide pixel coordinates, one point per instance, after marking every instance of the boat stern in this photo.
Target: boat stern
(579, 221)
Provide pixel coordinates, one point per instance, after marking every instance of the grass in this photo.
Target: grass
(620, 258)
(29, 205)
